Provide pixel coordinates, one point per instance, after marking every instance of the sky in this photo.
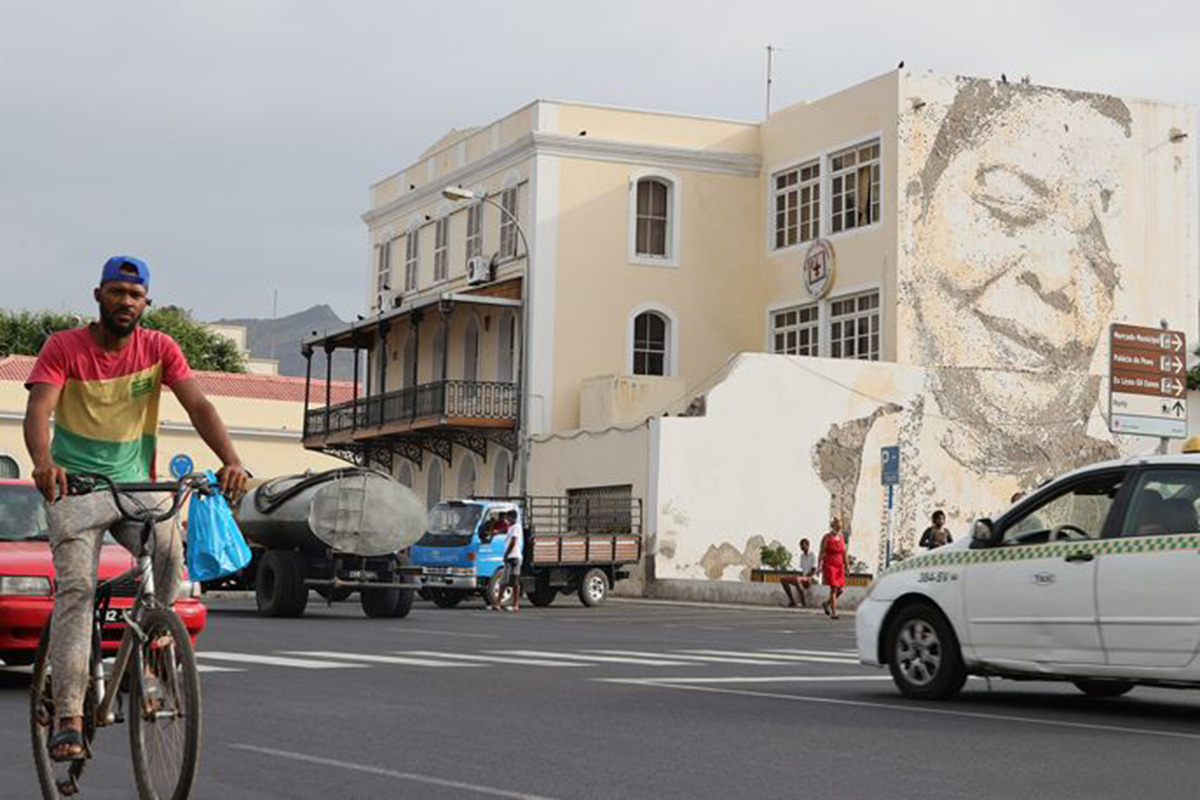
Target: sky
(232, 143)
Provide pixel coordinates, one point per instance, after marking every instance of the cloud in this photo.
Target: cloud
(233, 143)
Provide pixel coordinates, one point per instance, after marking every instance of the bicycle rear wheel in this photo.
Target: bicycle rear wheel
(43, 721)
(164, 709)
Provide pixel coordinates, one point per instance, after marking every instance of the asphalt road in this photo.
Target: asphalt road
(629, 700)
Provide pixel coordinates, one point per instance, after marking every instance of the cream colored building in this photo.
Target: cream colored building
(264, 415)
(975, 238)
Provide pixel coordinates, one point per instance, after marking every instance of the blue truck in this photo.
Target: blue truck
(579, 545)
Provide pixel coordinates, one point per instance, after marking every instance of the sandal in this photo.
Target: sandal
(68, 738)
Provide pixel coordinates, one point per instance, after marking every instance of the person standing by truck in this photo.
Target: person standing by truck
(514, 547)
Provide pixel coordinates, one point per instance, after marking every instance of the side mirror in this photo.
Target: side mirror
(983, 533)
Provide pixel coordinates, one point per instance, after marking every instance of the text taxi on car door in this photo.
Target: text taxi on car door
(1093, 579)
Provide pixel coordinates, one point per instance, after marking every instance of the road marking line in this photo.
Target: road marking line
(447, 633)
(836, 701)
(707, 659)
(389, 773)
(779, 656)
(645, 662)
(528, 662)
(274, 661)
(377, 659)
(214, 668)
(850, 654)
(667, 682)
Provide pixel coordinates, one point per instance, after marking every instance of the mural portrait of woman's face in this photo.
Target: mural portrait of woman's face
(1014, 278)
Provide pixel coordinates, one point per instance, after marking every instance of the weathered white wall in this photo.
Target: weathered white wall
(789, 441)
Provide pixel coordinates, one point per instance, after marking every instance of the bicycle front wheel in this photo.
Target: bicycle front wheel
(164, 709)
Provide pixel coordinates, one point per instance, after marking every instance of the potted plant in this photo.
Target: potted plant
(776, 561)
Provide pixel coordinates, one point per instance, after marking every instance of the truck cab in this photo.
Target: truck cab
(461, 554)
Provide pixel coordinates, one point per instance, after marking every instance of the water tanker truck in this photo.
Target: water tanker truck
(337, 532)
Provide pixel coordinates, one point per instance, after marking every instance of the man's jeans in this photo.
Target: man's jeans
(77, 526)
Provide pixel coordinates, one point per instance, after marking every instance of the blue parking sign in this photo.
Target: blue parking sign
(181, 465)
(890, 461)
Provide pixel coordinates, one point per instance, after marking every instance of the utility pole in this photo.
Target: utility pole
(274, 316)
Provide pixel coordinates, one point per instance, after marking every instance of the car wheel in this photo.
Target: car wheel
(593, 588)
(1101, 688)
(923, 654)
(495, 588)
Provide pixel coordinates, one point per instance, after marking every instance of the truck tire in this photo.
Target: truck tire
(380, 602)
(923, 654)
(593, 589)
(404, 603)
(447, 598)
(279, 589)
(493, 588)
(542, 596)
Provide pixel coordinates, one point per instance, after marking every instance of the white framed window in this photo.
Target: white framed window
(412, 258)
(383, 268)
(508, 224)
(654, 203)
(854, 326)
(404, 474)
(854, 187)
(796, 331)
(797, 195)
(441, 248)
(474, 230)
(651, 332)
(653, 219)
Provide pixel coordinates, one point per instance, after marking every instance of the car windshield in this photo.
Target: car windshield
(22, 514)
(451, 525)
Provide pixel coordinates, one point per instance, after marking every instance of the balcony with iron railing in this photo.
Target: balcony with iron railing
(457, 403)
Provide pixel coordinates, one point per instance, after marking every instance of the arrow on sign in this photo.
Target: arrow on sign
(1178, 409)
(1172, 364)
(1172, 387)
(1177, 343)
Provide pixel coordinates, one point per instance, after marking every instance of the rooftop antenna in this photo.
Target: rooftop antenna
(771, 50)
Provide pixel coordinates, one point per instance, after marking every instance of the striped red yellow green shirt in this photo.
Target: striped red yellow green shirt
(106, 420)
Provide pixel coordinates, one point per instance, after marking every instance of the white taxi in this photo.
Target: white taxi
(1092, 579)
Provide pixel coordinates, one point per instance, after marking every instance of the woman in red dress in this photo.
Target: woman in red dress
(833, 565)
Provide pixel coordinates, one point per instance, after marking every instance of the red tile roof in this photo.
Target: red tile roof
(224, 384)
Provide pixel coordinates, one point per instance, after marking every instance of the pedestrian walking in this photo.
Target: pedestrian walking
(514, 548)
(803, 580)
(833, 566)
(937, 534)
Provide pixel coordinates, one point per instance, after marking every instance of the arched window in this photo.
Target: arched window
(653, 218)
(466, 478)
(9, 468)
(404, 474)
(651, 344)
(433, 485)
(507, 350)
(500, 474)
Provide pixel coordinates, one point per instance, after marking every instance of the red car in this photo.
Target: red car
(27, 578)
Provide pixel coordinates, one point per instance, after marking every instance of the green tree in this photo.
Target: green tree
(24, 333)
(1193, 380)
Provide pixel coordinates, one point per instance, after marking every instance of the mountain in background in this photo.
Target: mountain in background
(287, 333)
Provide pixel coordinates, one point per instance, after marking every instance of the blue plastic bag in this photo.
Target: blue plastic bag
(215, 547)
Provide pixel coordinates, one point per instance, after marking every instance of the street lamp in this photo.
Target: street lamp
(458, 194)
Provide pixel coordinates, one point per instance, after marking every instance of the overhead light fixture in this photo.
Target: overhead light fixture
(457, 193)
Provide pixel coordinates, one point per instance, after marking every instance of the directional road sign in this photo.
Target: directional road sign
(1148, 381)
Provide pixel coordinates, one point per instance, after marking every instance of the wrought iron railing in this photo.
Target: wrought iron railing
(457, 399)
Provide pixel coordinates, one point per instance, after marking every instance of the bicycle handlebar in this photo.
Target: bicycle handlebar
(87, 482)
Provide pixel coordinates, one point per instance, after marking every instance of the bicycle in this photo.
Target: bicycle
(155, 666)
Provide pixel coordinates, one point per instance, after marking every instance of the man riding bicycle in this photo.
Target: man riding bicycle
(102, 383)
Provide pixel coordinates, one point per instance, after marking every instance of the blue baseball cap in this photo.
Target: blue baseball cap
(113, 270)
